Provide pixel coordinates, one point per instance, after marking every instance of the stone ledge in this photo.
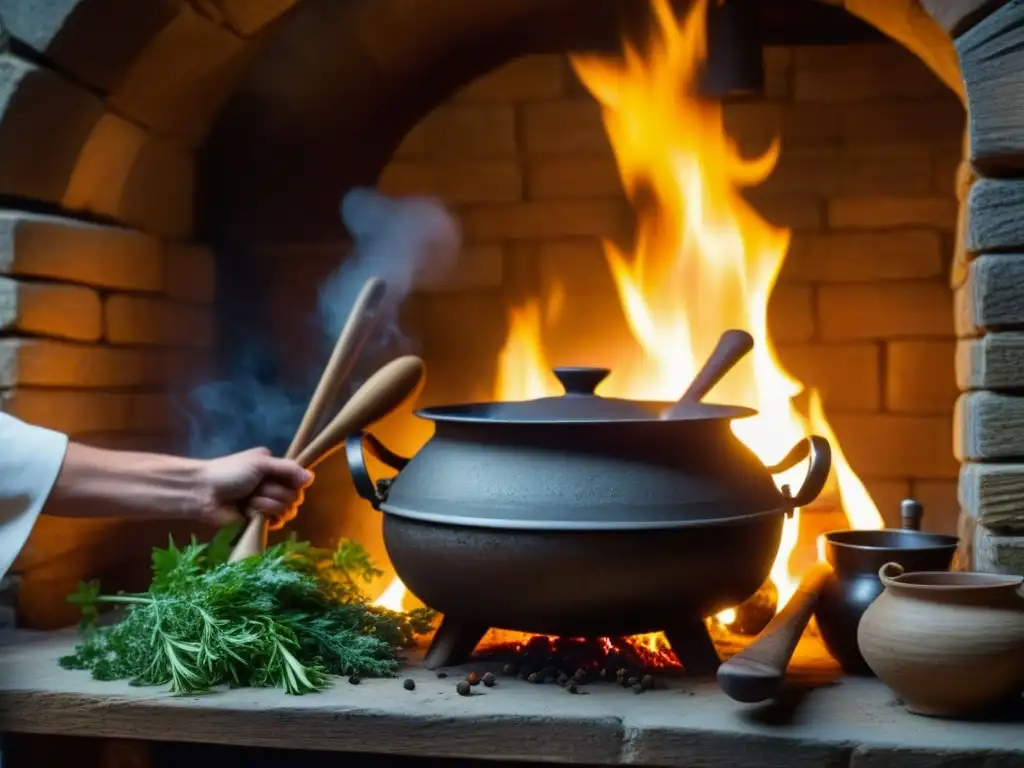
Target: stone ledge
(690, 723)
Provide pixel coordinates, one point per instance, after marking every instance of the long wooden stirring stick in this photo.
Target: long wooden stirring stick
(358, 325)
(382, 393)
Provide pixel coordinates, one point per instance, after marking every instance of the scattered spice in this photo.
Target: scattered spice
(573, 687)
(638, 689)
(355, 679)
(473, 678)
(647, 682)
(463, 688)
(631, 682)
(562, 679)
(442, 675)
(509, 669)
(488, 679)
(533, 677)
(409, 684)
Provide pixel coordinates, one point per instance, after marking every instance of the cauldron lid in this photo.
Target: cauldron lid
(578, 403)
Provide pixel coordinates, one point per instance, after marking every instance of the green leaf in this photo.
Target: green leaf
(86, 597)
(219, 549)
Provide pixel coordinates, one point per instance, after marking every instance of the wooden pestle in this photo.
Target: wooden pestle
(358, 326)
(757, 672)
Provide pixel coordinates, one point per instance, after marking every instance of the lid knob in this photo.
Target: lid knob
(582, 380)
(911, 513)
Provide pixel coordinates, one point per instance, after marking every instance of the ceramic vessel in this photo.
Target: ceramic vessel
(853, 585)
(948, 644)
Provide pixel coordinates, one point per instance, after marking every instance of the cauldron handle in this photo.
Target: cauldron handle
(820, 453)
(355, 445)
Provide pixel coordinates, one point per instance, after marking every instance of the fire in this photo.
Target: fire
(703, 260)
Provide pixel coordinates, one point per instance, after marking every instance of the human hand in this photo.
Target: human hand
(253, 481)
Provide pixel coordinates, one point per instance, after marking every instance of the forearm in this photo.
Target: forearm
(100, 483)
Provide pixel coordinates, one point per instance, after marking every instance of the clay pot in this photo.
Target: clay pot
(948, 644)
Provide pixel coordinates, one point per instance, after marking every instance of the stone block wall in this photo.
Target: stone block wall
(989, 285)
(106, 296)
(871, 141)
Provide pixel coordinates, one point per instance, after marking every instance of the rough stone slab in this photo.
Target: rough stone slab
(992, 493)
(79, 37)
(246, 17)
(995, 215)
(993, 296)
(988, 425)
(76, 411)
(49, 363)
(159, 322)
(178, 81)
(157, 194)
(994, 361)
(992, 63)
(690, 723)
(50, 309)
(994, 553)
(64, 249)
(45, 121)
(970, 756)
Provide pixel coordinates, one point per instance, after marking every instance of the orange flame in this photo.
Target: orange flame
(703, 260)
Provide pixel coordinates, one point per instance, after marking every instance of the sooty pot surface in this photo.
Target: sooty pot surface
(578, 583)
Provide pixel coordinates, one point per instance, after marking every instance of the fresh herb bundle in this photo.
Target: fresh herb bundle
(286, 618)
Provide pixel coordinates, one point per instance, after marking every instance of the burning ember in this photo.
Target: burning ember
(703, 260)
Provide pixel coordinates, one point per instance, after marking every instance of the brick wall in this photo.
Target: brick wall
(871, 141)
(105, 296)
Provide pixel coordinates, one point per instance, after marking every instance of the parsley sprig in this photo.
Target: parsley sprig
(287, 618)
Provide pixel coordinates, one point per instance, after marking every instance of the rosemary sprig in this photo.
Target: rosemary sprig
(288, 618)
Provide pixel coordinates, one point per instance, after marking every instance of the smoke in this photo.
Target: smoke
(404, 242)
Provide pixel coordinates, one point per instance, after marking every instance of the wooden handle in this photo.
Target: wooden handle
(731, 348)
(382, 393)
(358, 326)
(757, 672)
(361, 319)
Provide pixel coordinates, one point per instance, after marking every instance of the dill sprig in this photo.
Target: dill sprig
(288, 618)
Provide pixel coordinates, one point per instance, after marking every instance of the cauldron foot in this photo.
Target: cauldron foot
(692, 645)
(453, 643)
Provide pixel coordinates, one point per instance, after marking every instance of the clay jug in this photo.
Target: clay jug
(948, 644)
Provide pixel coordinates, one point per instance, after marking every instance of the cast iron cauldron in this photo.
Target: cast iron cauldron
(582, 516)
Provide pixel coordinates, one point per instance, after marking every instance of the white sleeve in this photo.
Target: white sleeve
(30, 460)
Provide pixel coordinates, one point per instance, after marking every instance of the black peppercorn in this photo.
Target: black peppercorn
(463, 688)
(442, 675)
(533, 677)
(409, 684)
(580, 675)
(562, 679)
(509, 669)
(473, 678)
(355, 679)
(631, 682)
(572, 687)
(638, 689)
(647, 682)
(488, 679)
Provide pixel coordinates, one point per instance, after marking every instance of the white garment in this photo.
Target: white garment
(30, 460)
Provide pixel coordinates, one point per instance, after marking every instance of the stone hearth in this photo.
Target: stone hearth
(854, 722)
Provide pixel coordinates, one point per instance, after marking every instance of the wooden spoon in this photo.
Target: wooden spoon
(358, 325)
(757, 672)
(731, 348)
(382, 393)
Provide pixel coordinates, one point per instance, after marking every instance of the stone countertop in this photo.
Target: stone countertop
(854, 722)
